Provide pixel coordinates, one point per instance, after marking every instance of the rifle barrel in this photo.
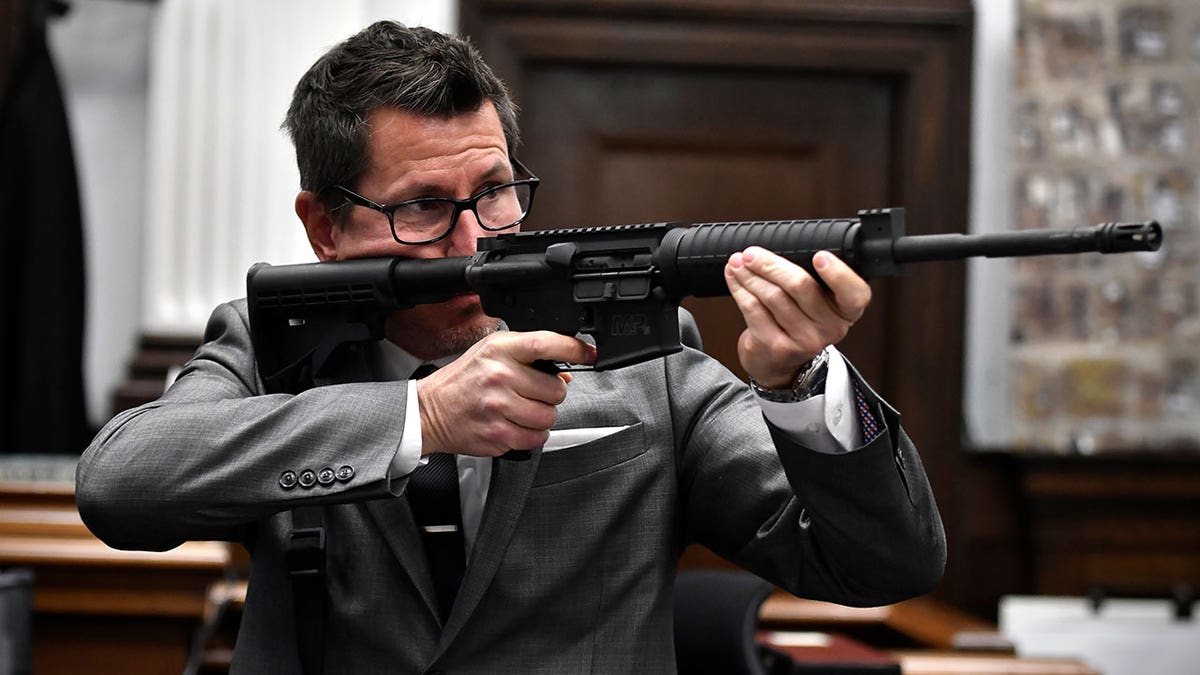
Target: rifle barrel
(1104, 238)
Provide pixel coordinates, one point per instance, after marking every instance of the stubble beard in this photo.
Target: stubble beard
(427, 338)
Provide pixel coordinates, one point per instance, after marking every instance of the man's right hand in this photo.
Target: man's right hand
(492, 400)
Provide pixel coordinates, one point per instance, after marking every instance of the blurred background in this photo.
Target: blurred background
(1055, 400)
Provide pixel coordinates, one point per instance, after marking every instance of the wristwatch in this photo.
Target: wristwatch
(809, 382)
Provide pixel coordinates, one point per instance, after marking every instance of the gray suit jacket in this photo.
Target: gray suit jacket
(575, 559)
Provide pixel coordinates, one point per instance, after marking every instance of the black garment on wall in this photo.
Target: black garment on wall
(42, 299)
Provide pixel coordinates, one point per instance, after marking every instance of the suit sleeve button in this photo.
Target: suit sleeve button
(325, 476)
(308, 478)
(287, 480)
(344, 473)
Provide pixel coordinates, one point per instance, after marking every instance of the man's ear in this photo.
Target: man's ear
(318, 223)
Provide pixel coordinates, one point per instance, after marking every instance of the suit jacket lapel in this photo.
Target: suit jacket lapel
(354, 362)
(505, 502)
(399, 530)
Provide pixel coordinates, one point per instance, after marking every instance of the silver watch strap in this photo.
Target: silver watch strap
(809, 382)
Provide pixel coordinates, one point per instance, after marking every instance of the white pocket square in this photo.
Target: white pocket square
(561, 439)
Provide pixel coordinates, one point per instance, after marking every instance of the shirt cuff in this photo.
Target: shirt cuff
(408, 454)
(827, 422)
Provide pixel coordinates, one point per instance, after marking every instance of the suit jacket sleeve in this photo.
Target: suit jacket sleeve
(859, 528)
(209, 458)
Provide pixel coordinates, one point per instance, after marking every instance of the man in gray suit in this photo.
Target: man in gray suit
(405, 143)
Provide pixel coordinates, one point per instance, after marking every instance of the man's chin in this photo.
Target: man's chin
(458, 339)
(428, 340)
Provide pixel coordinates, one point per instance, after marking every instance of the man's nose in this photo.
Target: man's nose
(466, 232)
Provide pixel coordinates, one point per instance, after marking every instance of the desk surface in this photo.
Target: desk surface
(921, 662)
(811, 651)
(820, 652)
(923, 621)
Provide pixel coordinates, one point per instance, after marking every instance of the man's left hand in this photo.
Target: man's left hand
(789, 317)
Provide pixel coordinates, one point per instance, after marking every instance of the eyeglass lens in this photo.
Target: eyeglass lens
(498, 208)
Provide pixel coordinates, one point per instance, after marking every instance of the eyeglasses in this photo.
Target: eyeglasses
(429, 219)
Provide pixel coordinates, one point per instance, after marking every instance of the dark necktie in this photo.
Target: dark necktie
(433, 497)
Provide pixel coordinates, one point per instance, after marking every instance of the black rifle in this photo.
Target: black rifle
(621, 285)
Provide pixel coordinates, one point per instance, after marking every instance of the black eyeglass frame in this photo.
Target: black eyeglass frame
(460, 205)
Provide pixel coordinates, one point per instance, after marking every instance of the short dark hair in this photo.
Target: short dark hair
(386, 64)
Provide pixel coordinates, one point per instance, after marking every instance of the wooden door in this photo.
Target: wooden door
(695, 146)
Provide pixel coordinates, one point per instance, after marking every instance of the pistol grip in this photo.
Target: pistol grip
(545, 366)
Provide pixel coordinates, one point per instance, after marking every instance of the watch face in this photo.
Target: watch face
(816, 384)
(811, 381)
